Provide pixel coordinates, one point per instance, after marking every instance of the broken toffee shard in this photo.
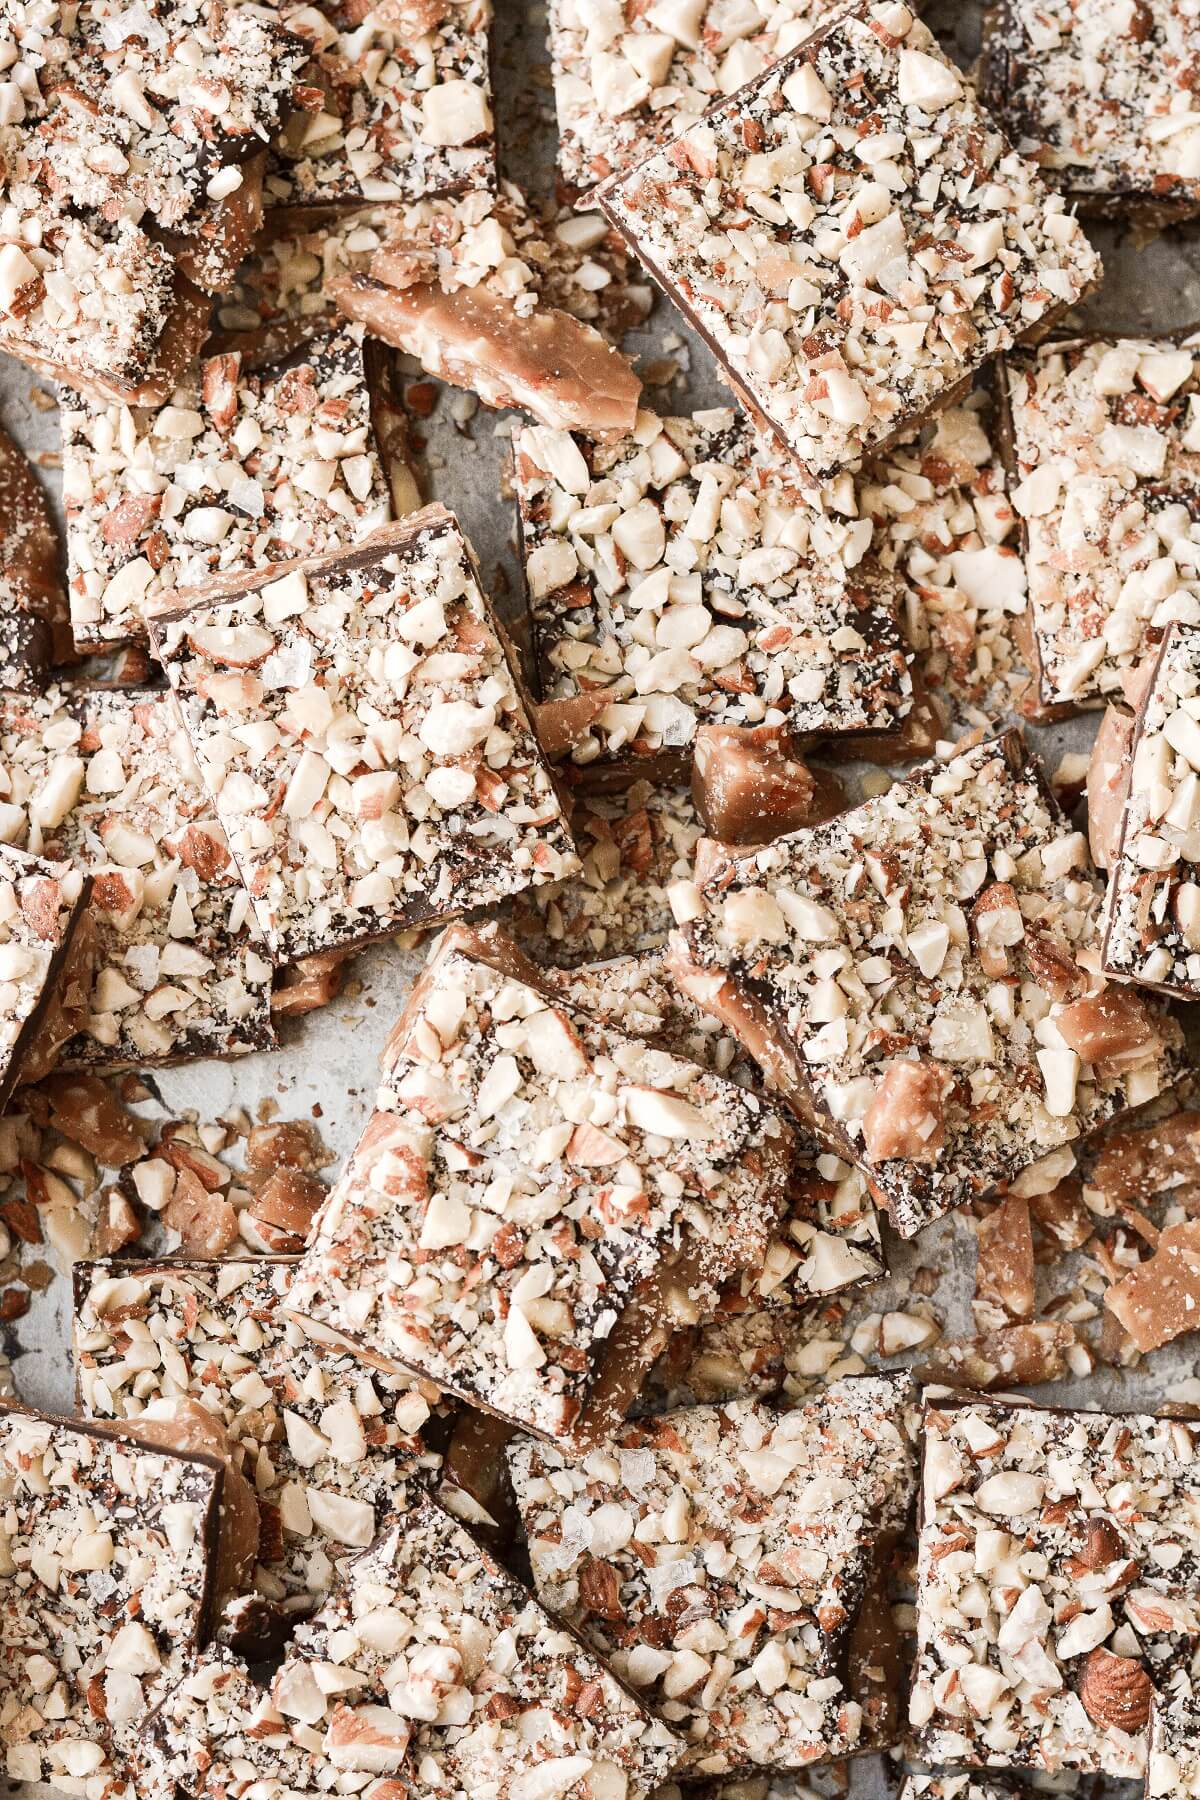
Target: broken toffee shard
(783, 1525)
(35, 631)
(677, 578)
(358, 723)
(428, 1669)
(1101, 100)
(545, 362)
(165, 126)
(539, 1199)
(327, 1444)
(1056, 1583)
(109, 1552)
(242, 468)
(1152, 917)
(853, 237)
(828, 1237)
(103, 778)
(627, 79)
(1100, 438)
(400, 115)
(45, 962)
(918, 977)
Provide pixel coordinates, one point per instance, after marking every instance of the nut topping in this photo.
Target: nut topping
(1116, 1691)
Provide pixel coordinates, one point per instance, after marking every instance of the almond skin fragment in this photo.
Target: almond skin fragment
(906, 1116)
(1116, 1691)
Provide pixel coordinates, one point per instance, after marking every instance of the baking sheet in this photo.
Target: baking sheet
(326, 1065)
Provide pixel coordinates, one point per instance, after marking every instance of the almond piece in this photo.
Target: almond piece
(997, 924)
(1116, 1691)
(232, 646)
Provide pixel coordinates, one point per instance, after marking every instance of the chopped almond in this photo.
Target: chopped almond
(998, 925)
(906, 1116)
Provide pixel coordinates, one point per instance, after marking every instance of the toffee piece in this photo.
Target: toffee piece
(328, 1445)
(1099, 95)
(627, 79)
(358, 722)
(853, 237)
(133, 165)
(428, 1662)
(538, 1200)
(677, 578)
(104, 779)
(719, 1558)
(919, 977)
(242, 469)
(1056, 1583)
(397, 114)
(1152, 917)
(109, 1554)
(1102, 442)
(45, 952)
(35, 631)
(828, 1238)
